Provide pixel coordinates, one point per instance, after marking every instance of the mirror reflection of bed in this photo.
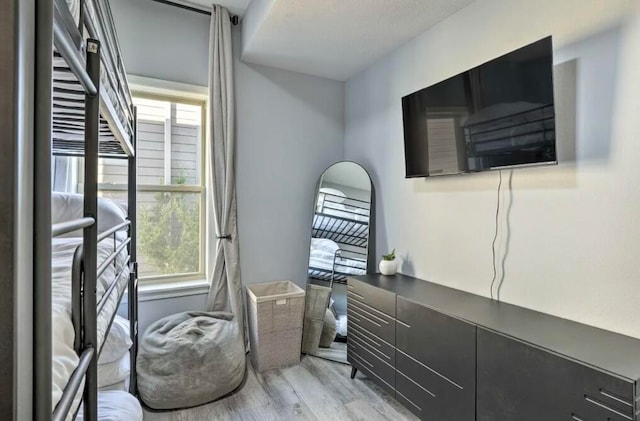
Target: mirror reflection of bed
(339, 247)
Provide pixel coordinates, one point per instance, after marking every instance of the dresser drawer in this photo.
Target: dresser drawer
(444, 344)
(372, 320)
(362, 366)
(438, 397)
(414, 396)
(373, 363)
(377, 298)
(520, 381)
(378, 346)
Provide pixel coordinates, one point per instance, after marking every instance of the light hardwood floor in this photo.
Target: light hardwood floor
(316, 389)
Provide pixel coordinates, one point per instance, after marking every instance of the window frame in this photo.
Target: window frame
(141, 92)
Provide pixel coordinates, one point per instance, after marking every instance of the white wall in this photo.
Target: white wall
(152, 310)
(161, 41)
(574, 229)
(289, 129)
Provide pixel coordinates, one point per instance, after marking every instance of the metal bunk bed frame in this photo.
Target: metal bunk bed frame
(343, 229)
(85, 270)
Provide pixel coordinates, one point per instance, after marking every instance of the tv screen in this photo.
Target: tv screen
(499, 114)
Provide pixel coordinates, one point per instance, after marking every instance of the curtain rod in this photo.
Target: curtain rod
(234, 18)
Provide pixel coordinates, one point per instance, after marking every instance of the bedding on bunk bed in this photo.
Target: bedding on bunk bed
(117, 406)
(322, 254)
(74, 8)
(65, 359)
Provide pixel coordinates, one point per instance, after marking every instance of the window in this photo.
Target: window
(171, 192)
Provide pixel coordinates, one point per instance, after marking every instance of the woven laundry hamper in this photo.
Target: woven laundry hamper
(275, 310)
(316, 303)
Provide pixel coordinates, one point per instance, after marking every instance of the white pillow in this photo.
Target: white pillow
(118, 341)
(336, 195)
(115, 372)
(325, 245)
(117, 406)
(123, 386)
(321, 255)
(68, 206)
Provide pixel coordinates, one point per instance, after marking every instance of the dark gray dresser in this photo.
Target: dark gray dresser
(448, 355)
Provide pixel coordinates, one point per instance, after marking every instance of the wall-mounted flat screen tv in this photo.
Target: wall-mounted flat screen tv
(499, 114)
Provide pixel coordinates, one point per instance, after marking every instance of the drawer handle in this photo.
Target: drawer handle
(362, 310)
(355, 295)
(372, 373)
(366, 318)
(364, 332)
(368, 339)
(409, 400)
(603, 406)
(365, 346)
(408, 326)
(430, 369)
(360, 303)
(414, 382)
(609, 395)
(362, 360)
(577, 418)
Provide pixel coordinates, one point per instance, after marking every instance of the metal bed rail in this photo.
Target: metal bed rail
(66, 402)
(133, 276)
(346, 206)
(117, 112)
(70, 226)
(343, 266)
(105, 298)
(340, 230)
(90, 240)
(71, 54)
(113, 59)
(67, 40)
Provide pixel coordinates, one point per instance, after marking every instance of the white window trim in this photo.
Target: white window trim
(163, 289)
(168, 88)
(151, 291)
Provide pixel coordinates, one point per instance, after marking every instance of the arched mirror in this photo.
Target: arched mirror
(341, 246)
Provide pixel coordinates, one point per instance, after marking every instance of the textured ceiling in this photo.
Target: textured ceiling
(335, 39)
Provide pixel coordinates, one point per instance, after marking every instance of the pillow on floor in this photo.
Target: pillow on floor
(328, 330)
(189, 359)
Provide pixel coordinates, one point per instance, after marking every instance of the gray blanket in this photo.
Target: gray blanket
(188, 359)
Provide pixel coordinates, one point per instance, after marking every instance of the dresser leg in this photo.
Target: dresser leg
(353, 372)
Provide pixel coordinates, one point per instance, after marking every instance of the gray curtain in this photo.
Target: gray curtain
(226, 284)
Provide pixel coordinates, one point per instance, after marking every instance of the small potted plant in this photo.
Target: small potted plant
(388, 264)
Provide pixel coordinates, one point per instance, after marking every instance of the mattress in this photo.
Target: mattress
(67, 94)
(65, 359)
(343, 266)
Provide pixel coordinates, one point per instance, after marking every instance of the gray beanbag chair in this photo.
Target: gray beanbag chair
(329, 330)
(188, 359)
